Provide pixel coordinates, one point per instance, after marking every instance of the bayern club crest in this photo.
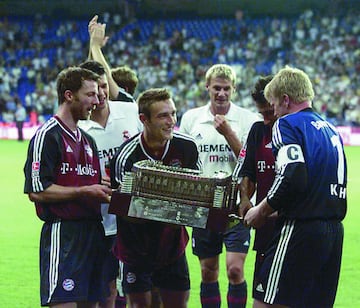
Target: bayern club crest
(68, 284)
(130, 277)
(88, 150)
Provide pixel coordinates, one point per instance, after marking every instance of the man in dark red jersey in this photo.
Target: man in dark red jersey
(62, 178)
(258, 169)
(154, 252)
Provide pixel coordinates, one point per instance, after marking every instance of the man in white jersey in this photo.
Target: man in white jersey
(98, 39)
(110, 124)
(220, 128)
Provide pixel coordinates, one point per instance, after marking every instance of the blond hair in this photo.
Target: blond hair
(221, 71)
(293, 82)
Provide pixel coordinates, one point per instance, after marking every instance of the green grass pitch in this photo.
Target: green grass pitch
(20, 229)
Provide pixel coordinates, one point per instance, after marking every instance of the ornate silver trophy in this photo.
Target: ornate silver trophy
(177, 196)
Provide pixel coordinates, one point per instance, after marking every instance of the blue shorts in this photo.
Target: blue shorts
(207, 244)
(111, 263)
(302, 264)
(259, 260)
(71, 262)
(173, 277)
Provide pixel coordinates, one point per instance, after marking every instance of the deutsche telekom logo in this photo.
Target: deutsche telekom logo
(86, 169)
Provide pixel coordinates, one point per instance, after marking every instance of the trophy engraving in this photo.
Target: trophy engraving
(176, 195)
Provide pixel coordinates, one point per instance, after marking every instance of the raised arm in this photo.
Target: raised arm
(97, 41)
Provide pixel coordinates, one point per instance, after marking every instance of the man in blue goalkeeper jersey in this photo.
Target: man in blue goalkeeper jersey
(302, 265)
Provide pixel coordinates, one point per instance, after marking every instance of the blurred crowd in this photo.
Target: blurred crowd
(176, 54)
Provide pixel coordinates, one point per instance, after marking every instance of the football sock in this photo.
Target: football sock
(237, 295)
(210, 295)
(120, 302)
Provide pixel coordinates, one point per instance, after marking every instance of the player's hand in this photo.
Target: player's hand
(91, 24)
(222, 125)
(244, 206)
(105, 180)
(101, 192)
(254, 217)
(97, 33)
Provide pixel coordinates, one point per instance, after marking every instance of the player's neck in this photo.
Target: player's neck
(154, 145)
(66, 117)
(296, 107)
(217, 109)
(100, 116)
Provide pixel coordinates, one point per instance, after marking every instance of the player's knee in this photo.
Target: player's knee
(235, 272)
(209, 274)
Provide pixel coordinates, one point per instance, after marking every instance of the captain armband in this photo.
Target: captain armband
(290, 153)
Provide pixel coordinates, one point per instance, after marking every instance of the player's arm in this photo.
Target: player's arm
(58, 193)
(245, 170)
(291, 176)
(117, 169)
(246, 173)
(290, 181)
(246, 190)
(196, 161)
(257, 215)
(97, 41)
(224, 128)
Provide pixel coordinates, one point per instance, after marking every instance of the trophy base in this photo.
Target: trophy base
(126, 205)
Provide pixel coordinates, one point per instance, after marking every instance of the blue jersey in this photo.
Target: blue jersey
(311, 174)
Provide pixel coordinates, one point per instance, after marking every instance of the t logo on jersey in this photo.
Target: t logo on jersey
(65, 168)
(262, 166)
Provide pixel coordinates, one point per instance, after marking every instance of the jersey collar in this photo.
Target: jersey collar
(147, 151)
(209, 117)
(76, 137)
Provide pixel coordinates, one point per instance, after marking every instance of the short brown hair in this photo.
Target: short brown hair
(258, 93)
(151, 96)
(72, 78)
(125, 78)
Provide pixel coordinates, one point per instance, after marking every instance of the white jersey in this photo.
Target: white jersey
(215, 153)
(123, 123)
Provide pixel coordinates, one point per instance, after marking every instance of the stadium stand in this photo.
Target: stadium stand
(176, 52)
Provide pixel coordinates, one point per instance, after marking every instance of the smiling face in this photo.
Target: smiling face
(84, 100)
(159, 127)
(220, 91)
(103, 92)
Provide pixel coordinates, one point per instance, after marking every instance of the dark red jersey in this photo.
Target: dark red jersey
(56, 155)
(259, 166)
(143, 242)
